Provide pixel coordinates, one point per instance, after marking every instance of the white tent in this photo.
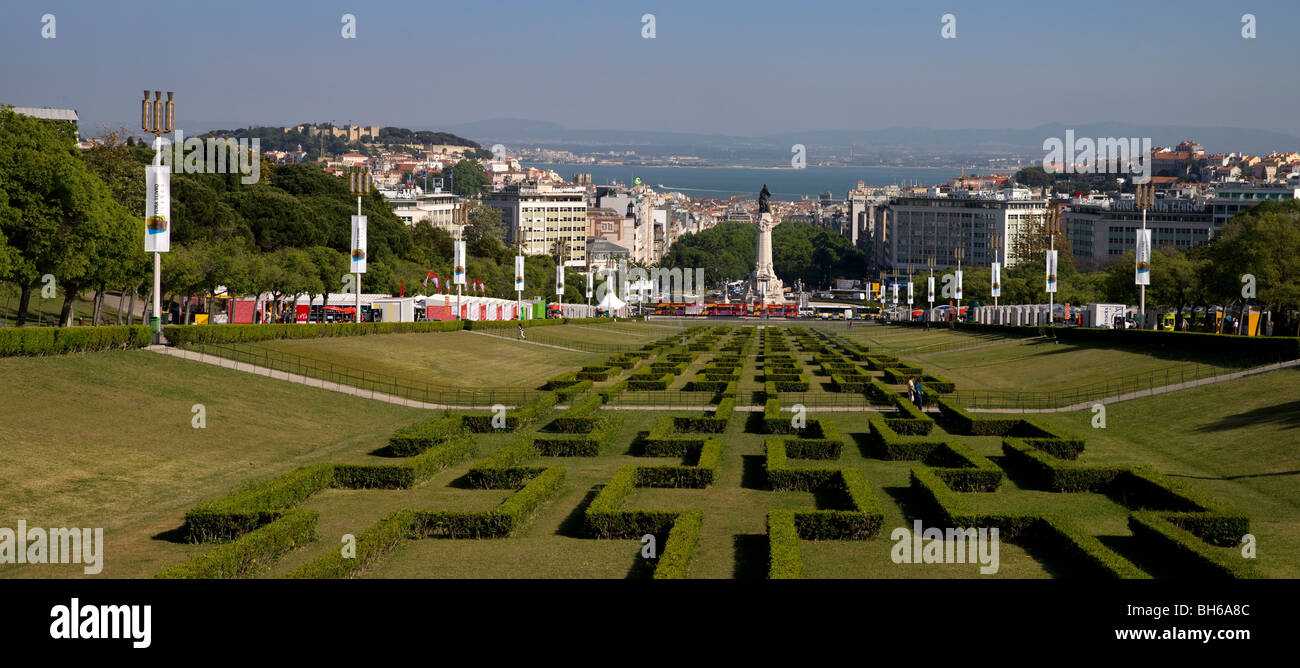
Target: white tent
(611, 302)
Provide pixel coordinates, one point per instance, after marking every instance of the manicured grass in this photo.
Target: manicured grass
(1235, 440)
(106, 440)
(443, 360)
(45, 312)
(137, 468)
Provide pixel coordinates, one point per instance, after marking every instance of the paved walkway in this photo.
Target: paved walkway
(1147, 393)
(535, 343)
(305, 380)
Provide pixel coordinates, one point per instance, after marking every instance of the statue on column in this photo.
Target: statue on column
(764, 285)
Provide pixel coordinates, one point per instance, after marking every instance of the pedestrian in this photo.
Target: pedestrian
(920, 395)
(521, 332)
(911, 389)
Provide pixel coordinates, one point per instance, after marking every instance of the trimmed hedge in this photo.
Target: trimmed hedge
(698, 474)
(579, 445)
(604, 518)
(250, 552)
(1082, 550)
(1190, 554)
(785, 560)
(679, 549)
(372, 545)
(481, 423)
(417, 438)
(262, 503)
(499, 522)
(61, 340)
(407, 473)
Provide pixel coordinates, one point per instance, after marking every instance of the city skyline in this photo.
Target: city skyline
(585, 65)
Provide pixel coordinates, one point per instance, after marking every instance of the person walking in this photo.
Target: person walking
(521, 332)
(911, 389)
(920, 395)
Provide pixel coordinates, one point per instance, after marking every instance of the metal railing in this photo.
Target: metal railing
(1135, 384)
(366, 381)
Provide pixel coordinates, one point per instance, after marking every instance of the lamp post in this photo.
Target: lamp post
(1145, 196)
(1053, 227)
(929, 261)
(911, 269)
(358, 185)
(959, 253)
(157, 118)
(996, 282)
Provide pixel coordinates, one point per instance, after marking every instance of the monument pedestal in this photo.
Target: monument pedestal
(763, 283)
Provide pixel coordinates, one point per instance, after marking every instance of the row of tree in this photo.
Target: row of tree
(800, 251)
(76, 218)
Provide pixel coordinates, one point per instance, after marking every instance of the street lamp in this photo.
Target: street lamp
(1145, 197)
(959, 253)
(929, 262)
(358, 185)
(996, 241)
(157, 118)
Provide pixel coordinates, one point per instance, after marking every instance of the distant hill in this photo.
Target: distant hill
(278, 139)
(899, 140)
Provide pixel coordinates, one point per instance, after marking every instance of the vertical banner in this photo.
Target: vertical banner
(929, 291)
(894, 290)
(997, 279)
(909, 293)
(358, 244)
(157, 209)
(1143, 276)
(458, 262)
(591, 284)
(956, 290)
(559, 279)
(1051, 271)
(519, 273)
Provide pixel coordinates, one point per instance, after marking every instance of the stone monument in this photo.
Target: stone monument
(764, 285)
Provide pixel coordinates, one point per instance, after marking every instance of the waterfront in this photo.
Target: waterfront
(722, 182)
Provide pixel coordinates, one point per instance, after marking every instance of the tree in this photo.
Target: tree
(467, 178)
(1259, 246)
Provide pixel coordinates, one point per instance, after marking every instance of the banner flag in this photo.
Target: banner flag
(1143, 276)
(358, 244)
(909, 293)
(559, 279)
(929, 292)
(1051, 271)
(956, 291)
(157, 209)
(458, 263)
(997, 279)
(519, 273)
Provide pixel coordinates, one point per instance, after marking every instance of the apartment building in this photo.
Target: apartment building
(443, 210)
(1231, 198)
(538, 214)
(1101, 230)
(911, 228)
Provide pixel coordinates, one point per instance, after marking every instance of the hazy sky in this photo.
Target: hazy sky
(747, 68)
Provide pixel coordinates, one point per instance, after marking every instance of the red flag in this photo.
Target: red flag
(436, 285)
(401, 288)
(425, 282)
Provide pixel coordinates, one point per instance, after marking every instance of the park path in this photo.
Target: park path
(1149, 392)
(304, 380)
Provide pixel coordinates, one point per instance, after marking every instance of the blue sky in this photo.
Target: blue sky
(748, 68)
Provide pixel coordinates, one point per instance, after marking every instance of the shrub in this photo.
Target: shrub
(61, 340)
(255, 506)
(499, 522)
(675, 561)
(250, 552)
(1188, 554)
(1082, 550)
(604, 519)
(372, 545)
(419, 437)
(784, 558)
(579, 445)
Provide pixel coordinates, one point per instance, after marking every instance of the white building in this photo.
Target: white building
(911, 228)
(540, 214)
(441, 209)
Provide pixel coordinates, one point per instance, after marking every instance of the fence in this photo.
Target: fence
(1013, 400)
(361, 379)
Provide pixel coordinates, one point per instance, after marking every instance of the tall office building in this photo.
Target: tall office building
(540, 213)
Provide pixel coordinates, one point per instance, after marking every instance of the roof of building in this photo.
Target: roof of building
(48, 113)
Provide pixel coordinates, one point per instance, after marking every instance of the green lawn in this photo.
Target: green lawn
(443, 360)
(45, 312)
(106, 440)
